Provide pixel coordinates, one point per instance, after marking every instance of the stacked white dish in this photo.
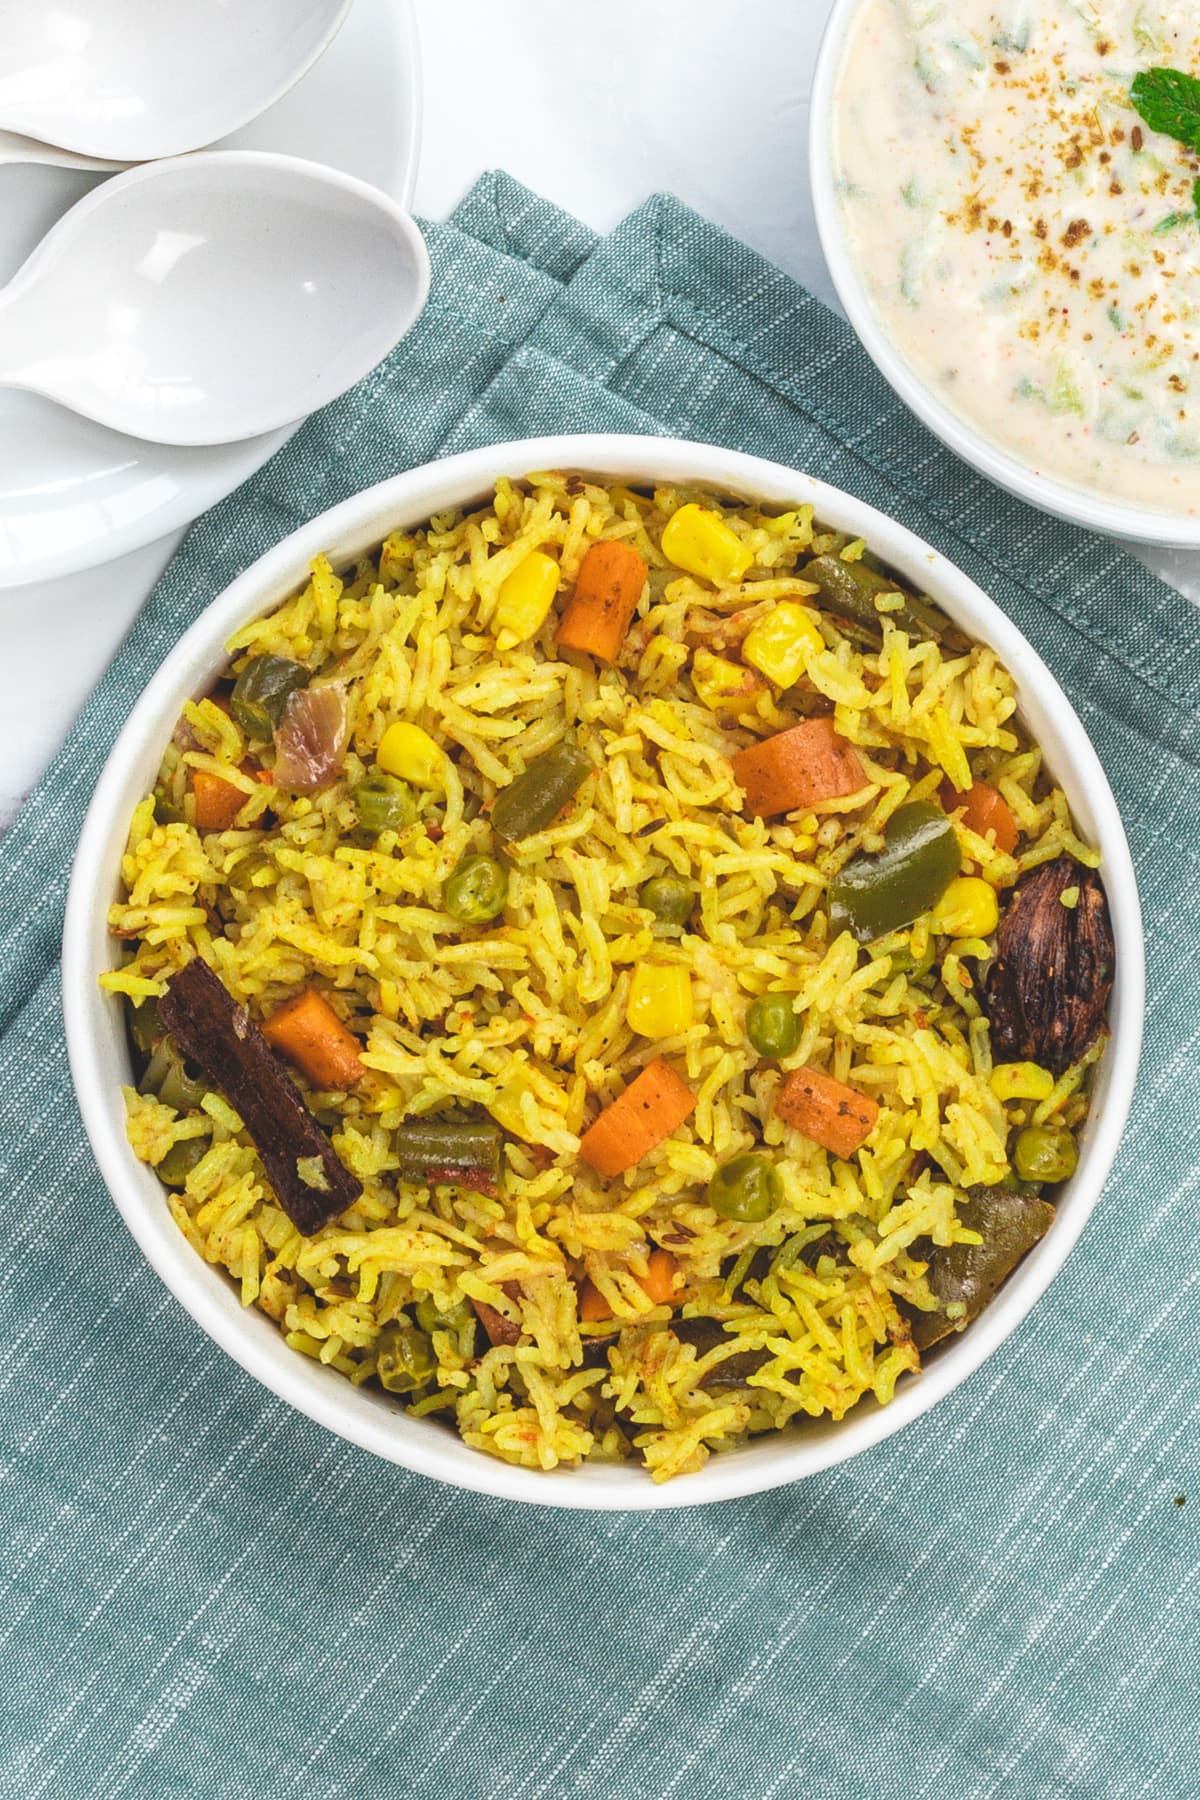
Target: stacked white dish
(74, 494)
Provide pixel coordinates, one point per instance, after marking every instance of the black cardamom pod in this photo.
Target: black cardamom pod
(1047, 990)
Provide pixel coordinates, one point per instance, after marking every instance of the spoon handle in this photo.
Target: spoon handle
(17, 149)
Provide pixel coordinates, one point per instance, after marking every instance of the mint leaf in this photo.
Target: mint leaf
(1169, 101)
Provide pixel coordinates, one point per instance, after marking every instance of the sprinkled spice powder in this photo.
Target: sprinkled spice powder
(1030, 245)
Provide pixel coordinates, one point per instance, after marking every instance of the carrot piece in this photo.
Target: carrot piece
(654, 1105)
(310, 1034)
(984, 810)
(658, 1284)
(607, 589)
(797, 768)
(593, 1307)
(828, 1112)
(218, 802)
(659, 1279)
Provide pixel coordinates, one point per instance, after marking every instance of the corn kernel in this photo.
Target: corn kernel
(660, 1000)
(411, 753)
(967, 909)
(1021, 1081)
(701, 542)
(526, 596)
(724, 686)
(781, 643)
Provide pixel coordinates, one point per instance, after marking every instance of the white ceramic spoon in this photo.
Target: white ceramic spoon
(213, 297)
(17, 149)
(130, 80)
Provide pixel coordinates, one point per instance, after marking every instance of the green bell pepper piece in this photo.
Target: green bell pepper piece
(876, 894)
(971, 1275)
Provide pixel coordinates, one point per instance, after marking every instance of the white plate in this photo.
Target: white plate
(72, 494)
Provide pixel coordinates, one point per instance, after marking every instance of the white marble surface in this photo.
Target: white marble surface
(551, 93)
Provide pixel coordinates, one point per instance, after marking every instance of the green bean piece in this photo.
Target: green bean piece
(430, 1319)
(876, 894)
(145, 1027)
(535, 799)
(1044, 1153)
(850, 588)
(896, 947)
(182, 1088)
(772, 1025)
(161, 1058)
(476, 890)
(669, 898)
(449, 1153)
(404, 1359)
(384, 802)
(180, 1160)
(746, 1188)
(262, 691)
(171, 1078)
(905, 961)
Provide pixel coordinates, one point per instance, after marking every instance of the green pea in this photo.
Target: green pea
(1044, 1153)
(404, 1359)
(669, 899)
(180, 1160)
(262, 691)
(772, 1025)
(746, 1188)
(385, 803)
(430, 1319)
(476, 891)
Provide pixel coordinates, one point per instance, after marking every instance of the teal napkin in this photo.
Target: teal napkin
(206, 1595)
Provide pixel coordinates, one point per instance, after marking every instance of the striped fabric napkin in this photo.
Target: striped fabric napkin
(205, 1595)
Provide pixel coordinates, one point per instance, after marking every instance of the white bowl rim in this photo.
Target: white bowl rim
(254, 1343)
(1078, 506)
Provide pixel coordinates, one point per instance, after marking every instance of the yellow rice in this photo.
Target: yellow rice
(525, 1018)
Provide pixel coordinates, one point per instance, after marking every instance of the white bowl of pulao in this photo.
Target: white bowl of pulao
(605, 971)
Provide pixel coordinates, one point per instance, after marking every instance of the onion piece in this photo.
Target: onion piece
(310, 739)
